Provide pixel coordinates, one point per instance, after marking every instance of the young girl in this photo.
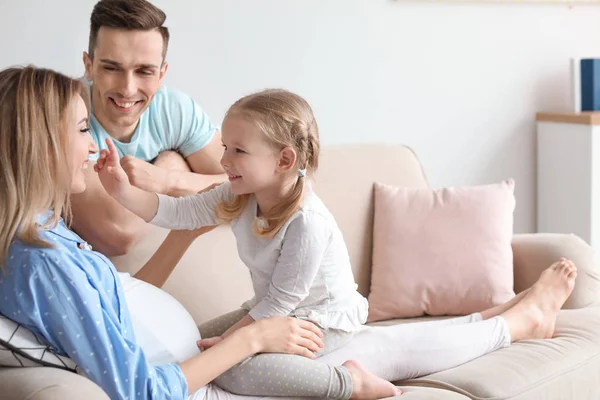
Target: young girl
(285, 235)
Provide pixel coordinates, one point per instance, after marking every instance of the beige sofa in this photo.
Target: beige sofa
(211, 280)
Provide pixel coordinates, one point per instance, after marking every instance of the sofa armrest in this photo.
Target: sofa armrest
(46, 383)
(535, 252)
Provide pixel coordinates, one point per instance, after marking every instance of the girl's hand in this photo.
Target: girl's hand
(204, 344)
(286, 335)
(111, 174)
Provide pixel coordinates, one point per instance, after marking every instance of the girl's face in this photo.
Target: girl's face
(249, 161)
(80, 143)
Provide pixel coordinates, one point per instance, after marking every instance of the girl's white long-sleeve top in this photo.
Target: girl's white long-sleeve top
(303, 271)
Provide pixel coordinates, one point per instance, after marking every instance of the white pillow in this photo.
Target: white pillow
(163, 328)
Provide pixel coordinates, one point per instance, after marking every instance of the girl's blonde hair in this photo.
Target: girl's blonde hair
(34, 166)
(286, 120)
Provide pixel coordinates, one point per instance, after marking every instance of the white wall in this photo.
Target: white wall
(458, 82)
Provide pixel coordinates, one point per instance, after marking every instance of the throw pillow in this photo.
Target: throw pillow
(441, 251)
(19, 347)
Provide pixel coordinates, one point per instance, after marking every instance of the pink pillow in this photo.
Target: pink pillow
(441, 252)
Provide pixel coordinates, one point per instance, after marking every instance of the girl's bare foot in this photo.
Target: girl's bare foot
(534, 316)
(367, 386)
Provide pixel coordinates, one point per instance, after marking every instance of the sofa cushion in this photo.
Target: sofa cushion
(425, 393)
(441, 251)
(565, 367)
(47, 384)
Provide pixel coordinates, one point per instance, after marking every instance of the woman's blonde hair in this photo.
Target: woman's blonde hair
(286, 120)
(34, 166)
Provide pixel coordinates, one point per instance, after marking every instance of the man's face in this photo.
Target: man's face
(127, 70)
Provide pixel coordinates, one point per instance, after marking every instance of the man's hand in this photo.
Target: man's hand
(146, 176)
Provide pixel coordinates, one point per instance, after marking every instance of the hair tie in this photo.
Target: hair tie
(302, 173)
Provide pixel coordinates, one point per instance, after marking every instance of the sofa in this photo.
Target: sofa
(211, 280)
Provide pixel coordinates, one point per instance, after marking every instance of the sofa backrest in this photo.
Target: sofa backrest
(211, 280)
(345, 184)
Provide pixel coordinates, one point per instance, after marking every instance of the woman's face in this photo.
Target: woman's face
(81, 144)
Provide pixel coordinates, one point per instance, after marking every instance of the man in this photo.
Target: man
(167, 142)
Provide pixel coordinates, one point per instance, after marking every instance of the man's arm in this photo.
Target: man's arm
(206, 169)
(102, 221)
(173, 175)
(160, 266)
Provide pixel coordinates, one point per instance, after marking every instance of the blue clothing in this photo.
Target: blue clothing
(72, 298)
(172, 121)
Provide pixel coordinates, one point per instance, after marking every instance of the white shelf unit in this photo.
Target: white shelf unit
(568, 174)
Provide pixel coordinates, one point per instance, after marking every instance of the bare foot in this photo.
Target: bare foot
(534, 316)
(368, 386)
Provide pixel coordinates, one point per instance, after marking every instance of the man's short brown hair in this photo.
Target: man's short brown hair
(129, 15)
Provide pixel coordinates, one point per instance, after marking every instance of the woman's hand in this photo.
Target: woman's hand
(112, 176)
(285, 335)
